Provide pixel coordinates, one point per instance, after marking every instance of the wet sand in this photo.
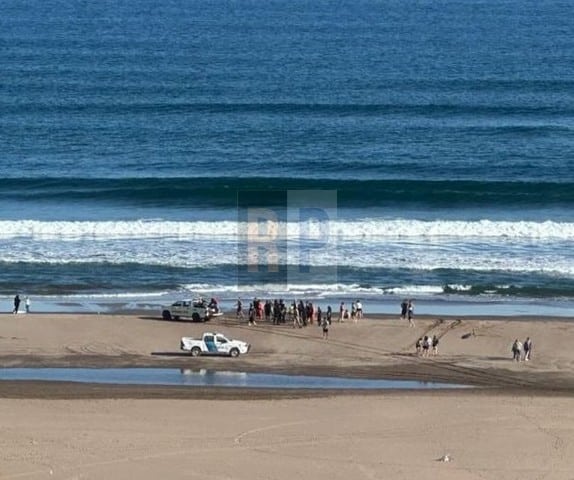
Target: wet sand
(518, 423)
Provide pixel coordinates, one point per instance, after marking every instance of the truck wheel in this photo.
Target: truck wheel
(195, 352)
(166, 315)
(234, 352)
(195, 317)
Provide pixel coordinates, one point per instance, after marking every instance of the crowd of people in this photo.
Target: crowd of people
(427, 344)
(297, 313)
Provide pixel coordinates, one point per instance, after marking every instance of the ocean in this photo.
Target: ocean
(322, 150)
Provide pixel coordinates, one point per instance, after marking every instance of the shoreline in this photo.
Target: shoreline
(437, 305)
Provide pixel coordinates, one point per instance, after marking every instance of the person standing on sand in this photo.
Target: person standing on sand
(435, 345)
(419, 346)
(296, 317)
(527, 346)
(516, 350)
(426, 346)
(359, 309)
(27, 304)
(16, 304)
(411, 313)
(239, 311)
(251, 321)
(341, 311)
(404, 309)
(325, 326)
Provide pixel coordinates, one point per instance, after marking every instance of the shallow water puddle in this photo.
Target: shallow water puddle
(207, 378)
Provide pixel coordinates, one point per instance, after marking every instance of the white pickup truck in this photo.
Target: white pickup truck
(197, 310)
(213, 344)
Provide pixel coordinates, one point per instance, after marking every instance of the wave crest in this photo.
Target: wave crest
(328, 231)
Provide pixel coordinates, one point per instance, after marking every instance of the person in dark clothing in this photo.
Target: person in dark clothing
(404, 309)
(16, 304)
(251, 315)
(435, 345)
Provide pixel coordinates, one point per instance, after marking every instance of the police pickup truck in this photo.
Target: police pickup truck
(213, 344)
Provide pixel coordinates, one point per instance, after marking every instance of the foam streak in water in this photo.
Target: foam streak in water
(363, 228)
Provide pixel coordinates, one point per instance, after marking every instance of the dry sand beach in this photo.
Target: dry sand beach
(517, 423)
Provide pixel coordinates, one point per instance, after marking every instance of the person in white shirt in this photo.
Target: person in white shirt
(359, 306)
(411, 313)
(517, 350)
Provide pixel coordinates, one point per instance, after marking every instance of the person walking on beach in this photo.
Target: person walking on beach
(295, 314)
(435, 345)
(341, 311)
(359, 306)
(252, 315)
(527, 346)
(419, 346)
(411, 313)
(404, 309)
(16, 304)
(426, 345)
(239, 311)
(516, 350)
(325, 326)
(27, 304)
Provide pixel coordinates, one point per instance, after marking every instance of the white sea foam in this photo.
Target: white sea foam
(117, 295)
(331, 288)
(548, 257)
(315, 290)
(459, 288)
(363, 229)
(414, 290)
(322, 290)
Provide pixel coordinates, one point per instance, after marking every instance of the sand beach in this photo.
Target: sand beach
(516, 423)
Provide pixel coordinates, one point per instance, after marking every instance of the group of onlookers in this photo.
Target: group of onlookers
(355, 314)
(522, 350)
(424, 345)
(299, 313)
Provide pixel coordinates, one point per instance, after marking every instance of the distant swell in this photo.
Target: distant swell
(222, 192)
(341, 109)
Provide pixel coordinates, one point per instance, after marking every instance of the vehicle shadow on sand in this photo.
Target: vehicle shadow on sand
(161, 319)
(170, 354)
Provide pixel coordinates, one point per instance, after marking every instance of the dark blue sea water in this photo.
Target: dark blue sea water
(380, 148)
